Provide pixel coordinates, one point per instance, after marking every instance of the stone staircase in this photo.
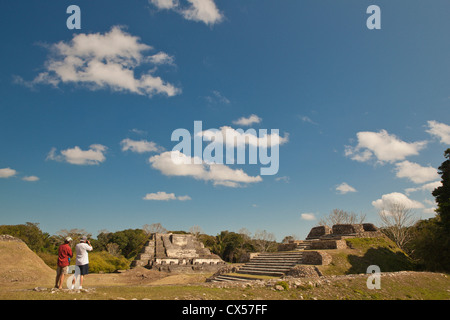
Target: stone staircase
(274, 264)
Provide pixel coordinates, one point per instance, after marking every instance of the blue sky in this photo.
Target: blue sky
(364, 113)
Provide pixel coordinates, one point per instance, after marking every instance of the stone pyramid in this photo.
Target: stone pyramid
(177, 253)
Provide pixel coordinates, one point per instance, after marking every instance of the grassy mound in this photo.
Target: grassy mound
(363, 252)
(18, 264)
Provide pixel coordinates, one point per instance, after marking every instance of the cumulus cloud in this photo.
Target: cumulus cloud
(344, 188)
(7, 173)
(308, 216)
(383, 146)
(140, 146)
(196, 10)
(30, 178)
(440, 130)
(429, 210)
(107, 60)
(165, 4)
(163, 196)
(247, 121)
(239, 137)
(387, 200)
(94, 155)
(175, 163)
(415, 172)
(429, 187)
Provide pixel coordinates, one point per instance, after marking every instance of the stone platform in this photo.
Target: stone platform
(177, 253)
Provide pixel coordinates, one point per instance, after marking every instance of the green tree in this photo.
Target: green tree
(442, 193)
(30, 233)
(130, 241)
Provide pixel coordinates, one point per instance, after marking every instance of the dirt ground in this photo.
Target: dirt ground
(141, 277)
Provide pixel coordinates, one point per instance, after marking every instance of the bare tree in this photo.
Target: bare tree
(245, 232)
(154, 228)
(75, 234)
(338, 216)
(264, 241)
(290, 238)
(196, 231)
(397, 220)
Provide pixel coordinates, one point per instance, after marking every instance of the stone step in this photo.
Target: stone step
(266, 267)
(262, 273)
(278, 257)
(277, 260)
(269, 265)
(233, 278)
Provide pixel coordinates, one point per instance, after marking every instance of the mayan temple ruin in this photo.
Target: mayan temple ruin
(298, 257)
(177, 253)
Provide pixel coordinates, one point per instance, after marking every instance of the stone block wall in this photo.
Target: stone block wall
(316, 258)
(343, 229)
(328, 244)
(319, 231)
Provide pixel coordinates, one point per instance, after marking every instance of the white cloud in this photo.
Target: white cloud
(247, 121)
(382, 145)
(307, 119)
(184, 166)
(163, 196)
(415, 172)
(283, 178)
(440, 130)
(308, 216)
(161, 58)
(30, 178)
(138, 132)
(141, 146)
(202, 10)
(344, 188)
(101, 61)
(7, 173)
(198, 10)
(217, 97)
(239, 137)
(94, 155)
(396, 198)
(429, 210)
(426, 187)
(165, 4)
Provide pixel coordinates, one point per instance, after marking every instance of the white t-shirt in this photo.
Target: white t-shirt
(82, 255)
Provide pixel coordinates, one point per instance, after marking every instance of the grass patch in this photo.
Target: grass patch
(363, 252)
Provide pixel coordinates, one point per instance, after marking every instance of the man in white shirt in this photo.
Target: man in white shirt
(82, 260)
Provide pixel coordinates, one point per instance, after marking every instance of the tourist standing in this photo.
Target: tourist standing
(64, 255)
(82, 260)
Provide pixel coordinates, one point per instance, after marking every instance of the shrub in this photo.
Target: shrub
(106, 262)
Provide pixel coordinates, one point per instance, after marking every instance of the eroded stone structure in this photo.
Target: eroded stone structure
(342, 231)
(177, 253)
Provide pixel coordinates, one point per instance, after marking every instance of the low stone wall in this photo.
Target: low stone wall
(369, 227)
(316, 258)
(319, 231)
(300, 271)
(347, 228)
(179, 268)
(328, 244)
